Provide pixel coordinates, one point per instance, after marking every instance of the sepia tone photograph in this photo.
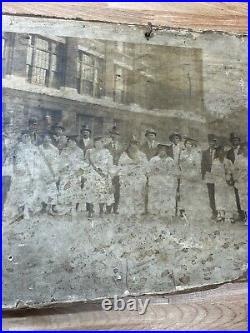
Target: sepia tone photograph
(124, 167)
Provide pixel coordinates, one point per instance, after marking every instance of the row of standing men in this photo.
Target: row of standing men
(64, 174)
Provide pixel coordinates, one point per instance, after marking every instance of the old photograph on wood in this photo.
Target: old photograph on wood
(123, 171)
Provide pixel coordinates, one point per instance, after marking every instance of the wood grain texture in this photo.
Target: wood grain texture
(218, 16)
(223, 308)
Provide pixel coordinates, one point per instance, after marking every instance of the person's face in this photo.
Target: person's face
(33, 127)
(236, 142)
(150, 137)
(86, 134)
(162, 153)
(176, 139)
(212, 144)
(188, 145)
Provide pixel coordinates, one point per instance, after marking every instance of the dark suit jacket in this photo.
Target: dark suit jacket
(84, 147)
(149, 151)
(36, 138)
(231, 155)
(206, 162)
(115, 152)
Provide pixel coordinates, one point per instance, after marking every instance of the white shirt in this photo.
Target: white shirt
(86, 141)
(236, 152)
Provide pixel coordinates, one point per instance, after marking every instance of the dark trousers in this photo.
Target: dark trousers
(116, 186)
(211, 195)
(237, 199)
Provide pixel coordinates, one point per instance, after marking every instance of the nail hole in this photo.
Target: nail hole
(10, 258)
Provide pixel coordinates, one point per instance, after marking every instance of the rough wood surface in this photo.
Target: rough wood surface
(218, 16)
(224, 308)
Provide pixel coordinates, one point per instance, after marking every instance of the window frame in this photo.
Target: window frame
(97, 76)
(53, 78)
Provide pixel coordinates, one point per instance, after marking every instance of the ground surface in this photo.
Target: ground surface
(48, 259)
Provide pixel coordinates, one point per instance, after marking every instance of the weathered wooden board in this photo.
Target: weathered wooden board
(224, 308)
(208, 253)
(218, 16)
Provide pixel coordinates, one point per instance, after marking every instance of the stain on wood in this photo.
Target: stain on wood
(226, 16)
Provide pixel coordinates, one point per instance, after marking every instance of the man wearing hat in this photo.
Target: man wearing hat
(114, 146)
(234, 151)
(175, 146)
(84, 141)
(206, 167)
(34, 132)
(58, 138)
(116, 149)
(232, 155)
(149, 147)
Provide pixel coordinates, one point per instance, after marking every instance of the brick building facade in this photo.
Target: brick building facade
(102, 83)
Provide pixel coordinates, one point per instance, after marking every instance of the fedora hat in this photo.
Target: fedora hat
(150, 131)
(86, 129)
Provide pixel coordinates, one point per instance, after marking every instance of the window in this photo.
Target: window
(120, 79)
(45, 62)
(90, 74)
